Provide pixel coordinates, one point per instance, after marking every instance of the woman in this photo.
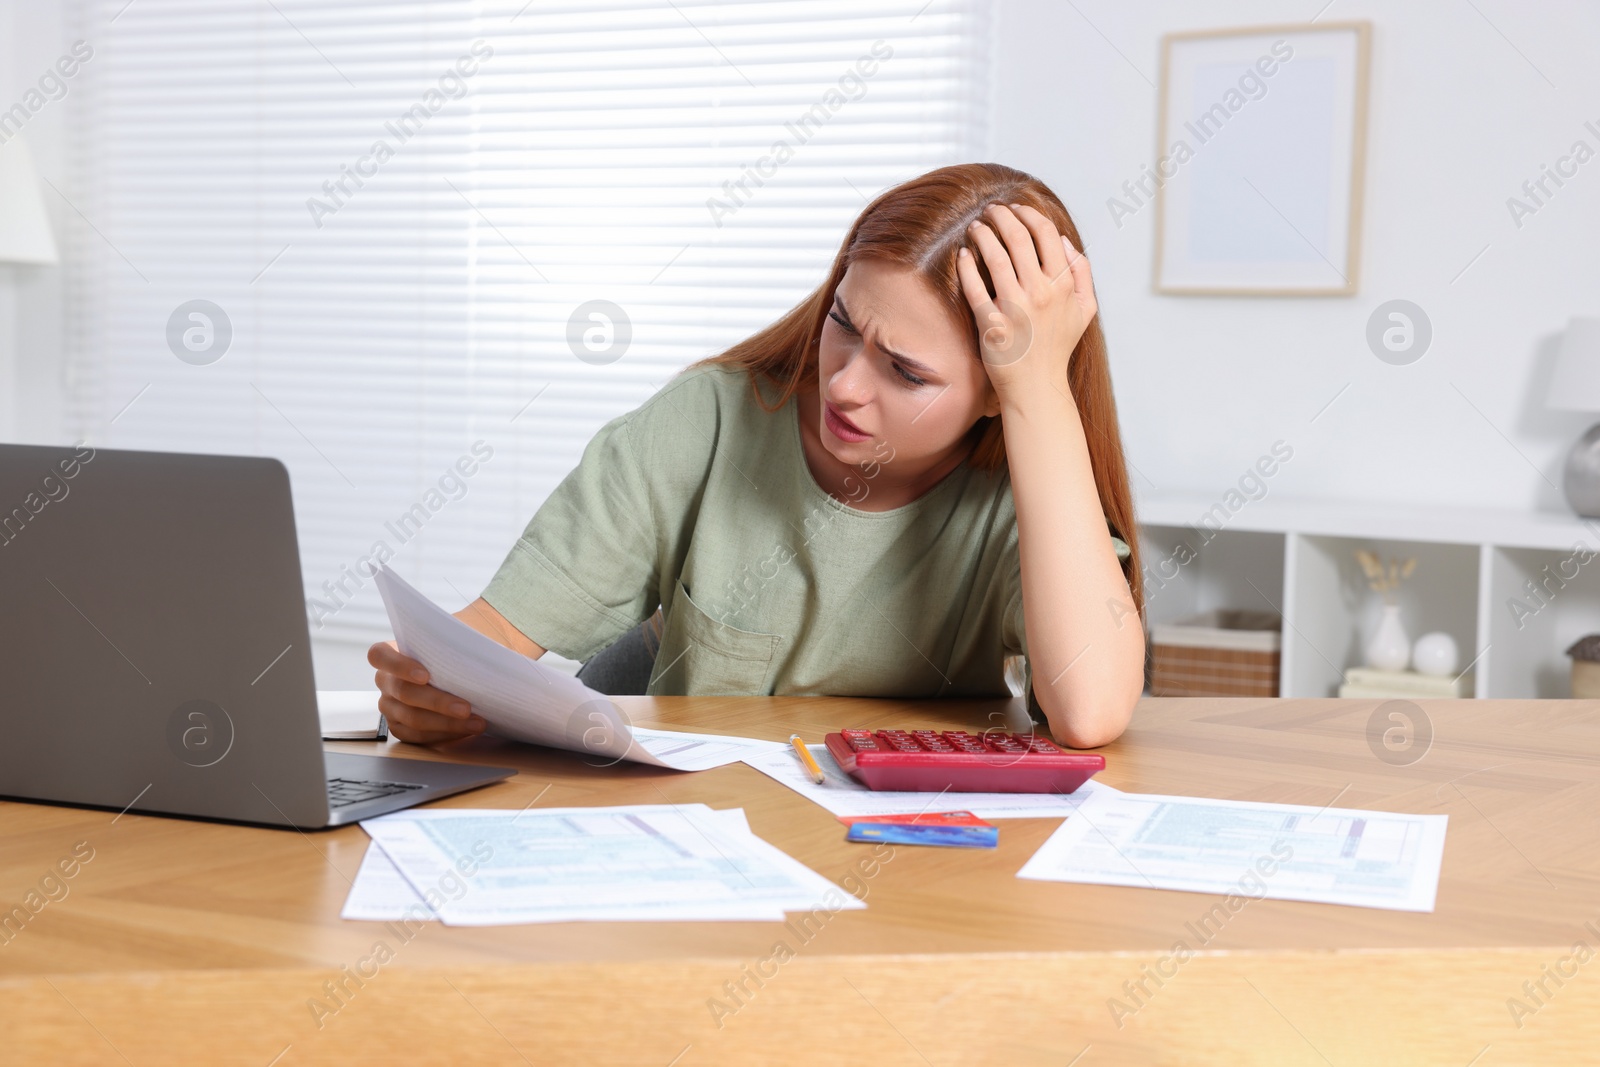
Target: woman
(911, 476)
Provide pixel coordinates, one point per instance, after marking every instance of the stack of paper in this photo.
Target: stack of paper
(468, 867)
(524, 700)
(1248, 850)
(843, 795)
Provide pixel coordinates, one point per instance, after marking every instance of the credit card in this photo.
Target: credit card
(924, 818)
(949, 829)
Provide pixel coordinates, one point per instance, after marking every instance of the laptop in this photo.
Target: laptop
(156, 652)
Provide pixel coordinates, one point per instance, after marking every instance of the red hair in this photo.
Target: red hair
(921, 224)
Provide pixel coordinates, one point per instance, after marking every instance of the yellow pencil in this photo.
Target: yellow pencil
(807, 760)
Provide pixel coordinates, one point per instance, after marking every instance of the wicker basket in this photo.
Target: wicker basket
(1216, 654)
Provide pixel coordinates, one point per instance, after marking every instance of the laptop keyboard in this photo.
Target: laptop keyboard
(342, 792)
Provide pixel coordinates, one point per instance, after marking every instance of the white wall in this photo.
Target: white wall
(1459, 120)
(32, 35)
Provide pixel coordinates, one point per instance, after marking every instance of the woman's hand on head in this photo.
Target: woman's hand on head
(1042, 304)
(418, 712)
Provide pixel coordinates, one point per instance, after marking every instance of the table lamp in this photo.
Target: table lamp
(1575, 386)
(25, 235)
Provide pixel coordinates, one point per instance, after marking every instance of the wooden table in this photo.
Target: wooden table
(183, 941)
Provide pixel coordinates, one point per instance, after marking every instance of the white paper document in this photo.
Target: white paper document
(524, 700)
(1371, 859)
(698, 752)
(640, 863)
(381, 893)
(843, 795)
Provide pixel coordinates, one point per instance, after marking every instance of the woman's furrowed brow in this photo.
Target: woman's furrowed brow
(912, 364)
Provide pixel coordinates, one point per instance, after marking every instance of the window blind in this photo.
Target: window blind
(421, 252)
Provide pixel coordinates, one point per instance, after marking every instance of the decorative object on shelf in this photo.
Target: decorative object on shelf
(1222, 653)
(1435, 654)
(1390, 646)
(1370, 683)
(1575, 386)
(1585, 653)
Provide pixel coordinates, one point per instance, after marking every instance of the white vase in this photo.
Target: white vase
(1390, 648)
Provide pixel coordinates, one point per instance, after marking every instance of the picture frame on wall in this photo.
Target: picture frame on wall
(1261, 149)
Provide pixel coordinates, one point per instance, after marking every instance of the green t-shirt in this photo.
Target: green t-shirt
(701, 502)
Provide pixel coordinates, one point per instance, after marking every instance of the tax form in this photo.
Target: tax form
(524, 700)
(1371, 859)
(380, 893)
(643, 862)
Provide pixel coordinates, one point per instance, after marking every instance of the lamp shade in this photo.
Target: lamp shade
(24, 227)
(1575, 386)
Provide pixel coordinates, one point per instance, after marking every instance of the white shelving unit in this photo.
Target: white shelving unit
(1513, 588)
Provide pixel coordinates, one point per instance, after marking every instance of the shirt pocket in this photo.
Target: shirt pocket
(702, 656)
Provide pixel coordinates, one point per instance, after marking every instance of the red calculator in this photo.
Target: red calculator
(931, 761)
